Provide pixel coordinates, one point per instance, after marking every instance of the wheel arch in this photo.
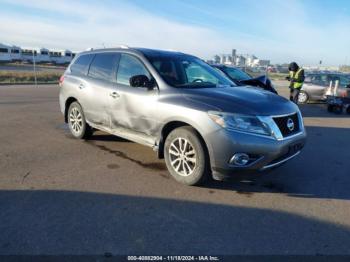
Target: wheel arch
(68, 102)
(170, 126)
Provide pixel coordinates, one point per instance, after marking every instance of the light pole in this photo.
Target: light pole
(34, 68)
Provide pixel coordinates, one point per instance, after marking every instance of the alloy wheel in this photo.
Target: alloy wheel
(76, 121)
(302, 98)
(183, 156)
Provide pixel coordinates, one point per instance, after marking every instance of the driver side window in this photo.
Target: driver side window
(130, 66)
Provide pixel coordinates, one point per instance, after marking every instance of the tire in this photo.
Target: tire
(191, 168)
(330, 108)
(303, 97)
(76, 122)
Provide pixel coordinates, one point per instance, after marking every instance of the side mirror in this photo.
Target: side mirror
(141, 81)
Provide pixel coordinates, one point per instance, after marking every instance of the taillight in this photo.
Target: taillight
(60, 82)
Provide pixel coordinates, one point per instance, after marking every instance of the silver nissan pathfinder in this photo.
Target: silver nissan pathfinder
(193, 116)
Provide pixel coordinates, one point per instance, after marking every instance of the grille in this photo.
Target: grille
(282, 123)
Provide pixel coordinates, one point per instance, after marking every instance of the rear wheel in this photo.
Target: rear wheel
(185, 156)
(303, 97)
(76, 122)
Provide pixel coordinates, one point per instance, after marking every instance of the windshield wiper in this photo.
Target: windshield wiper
(197, 85)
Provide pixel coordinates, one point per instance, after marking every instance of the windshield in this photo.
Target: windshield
(187, 71)
(237, 74)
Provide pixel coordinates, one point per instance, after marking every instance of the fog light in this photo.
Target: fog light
(240, 159)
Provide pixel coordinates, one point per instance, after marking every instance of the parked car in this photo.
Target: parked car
(194, 117)
(316, 85)
(343, 88)
(241, 78)
(338, 97)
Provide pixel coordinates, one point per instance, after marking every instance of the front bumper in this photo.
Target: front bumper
(266, 152)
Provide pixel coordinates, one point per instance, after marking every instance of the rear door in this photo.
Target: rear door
(316, 85)
(98, 88)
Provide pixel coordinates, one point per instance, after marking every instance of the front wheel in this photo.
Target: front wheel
(303, 97)
(76, 122)
(186, 157)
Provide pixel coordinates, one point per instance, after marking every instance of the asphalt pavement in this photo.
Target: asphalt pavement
(59, 195)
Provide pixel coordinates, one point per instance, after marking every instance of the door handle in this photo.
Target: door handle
(114, 94)
(81, 86)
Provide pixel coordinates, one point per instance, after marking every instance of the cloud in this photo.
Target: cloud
(286, 31)
(302, 35)
(99, 25)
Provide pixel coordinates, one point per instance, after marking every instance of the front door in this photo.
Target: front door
(134, 110)
(318, 85)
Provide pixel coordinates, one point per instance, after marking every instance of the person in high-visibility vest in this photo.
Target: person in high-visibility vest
(296, 78)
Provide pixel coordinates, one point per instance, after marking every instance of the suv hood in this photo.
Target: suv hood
(241, 100)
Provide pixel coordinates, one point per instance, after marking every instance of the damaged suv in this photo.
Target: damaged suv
(193, 116)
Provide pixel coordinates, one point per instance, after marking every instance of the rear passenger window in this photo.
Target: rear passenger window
(81, 65)
(319, 80)
(103, 66)
(130, 66)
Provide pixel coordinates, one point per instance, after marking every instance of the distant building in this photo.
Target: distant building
(11, 53)
(250, 60)
(240, 60)
(235, 59)
(40, 55)
(264, 62)
(216, 59)
(260, 62)
(234, 55)
(222, 59)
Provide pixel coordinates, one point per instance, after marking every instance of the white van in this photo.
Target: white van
(16, 53)
(5, 53)
(27, 54)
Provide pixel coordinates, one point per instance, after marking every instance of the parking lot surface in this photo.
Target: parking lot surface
(59, 195)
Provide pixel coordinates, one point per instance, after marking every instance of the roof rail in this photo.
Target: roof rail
(124, 46)
(89, 49)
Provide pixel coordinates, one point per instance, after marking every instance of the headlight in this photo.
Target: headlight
(246, 123)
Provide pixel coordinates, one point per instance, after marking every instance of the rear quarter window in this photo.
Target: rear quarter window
(321, 80)
(103, 66)
(81, 65)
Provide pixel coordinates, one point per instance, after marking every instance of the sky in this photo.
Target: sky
(305, 31)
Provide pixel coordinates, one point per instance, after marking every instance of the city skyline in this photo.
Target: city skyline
(293, 30)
